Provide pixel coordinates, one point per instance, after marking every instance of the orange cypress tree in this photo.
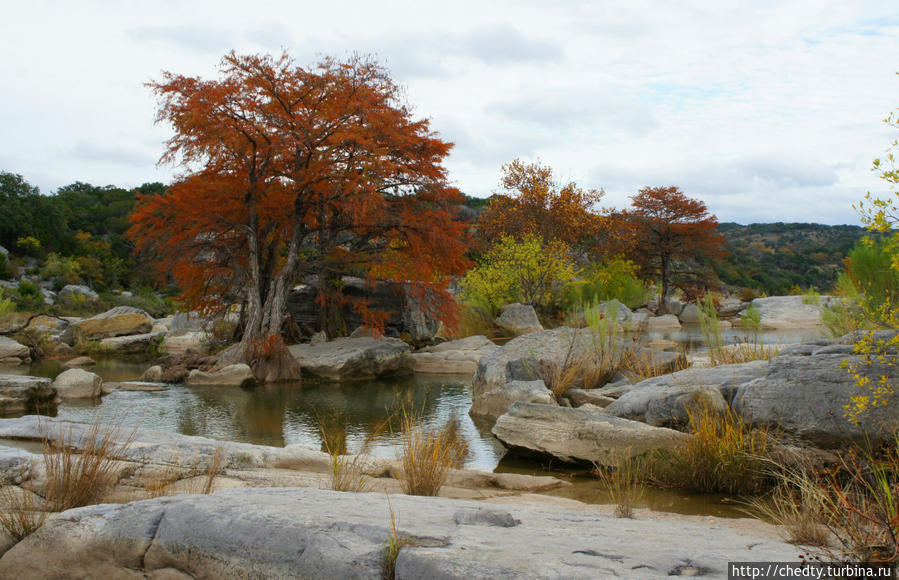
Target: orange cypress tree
(671, 237)
(533, 203)
(291, 172)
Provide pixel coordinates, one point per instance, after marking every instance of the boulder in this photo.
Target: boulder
(789, 312)
(118, 321)
(730, 307)
(69, 292)
(453, 357)
(807, 395)
(21, 393)
(317, 533)
(660, 401)
(152, 374)
(663, 323)
(519, 319)
(81, 361)
(188, 322)
(78, 384)
(347, 359)
(192, 340)
(689, 314)
(46, 324)
(494, 402)
(237, 374)
(10, 348)
(132, 344)
(579, 435)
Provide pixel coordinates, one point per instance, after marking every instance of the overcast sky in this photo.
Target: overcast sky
(767, 111)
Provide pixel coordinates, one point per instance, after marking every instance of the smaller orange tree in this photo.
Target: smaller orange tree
(532, 203)
(672, 238)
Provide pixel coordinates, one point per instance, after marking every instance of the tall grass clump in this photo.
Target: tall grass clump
(792, 508)
(624, 485)
(721, 353)
(396, 541)
(723, 454)
(428, 454)
(345, 471)
(81, 468)
(20, 514)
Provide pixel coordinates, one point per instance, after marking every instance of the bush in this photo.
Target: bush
(870, 269)
(615, 280)
(64, 270)
(5, 270)
(527, 271)
(29, 296)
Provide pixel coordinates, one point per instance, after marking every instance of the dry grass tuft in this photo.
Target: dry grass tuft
(396, 541)
(346, 471)
(724, 454)
(624, 485)
(428, 454)
(20, 514)
(164, 483)
(81, 469)
(791, 508)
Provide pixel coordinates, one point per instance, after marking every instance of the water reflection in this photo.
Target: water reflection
(690, 337)
(289, 413)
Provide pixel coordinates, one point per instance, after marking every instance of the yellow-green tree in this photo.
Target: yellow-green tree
(529, 271)
(879, 214)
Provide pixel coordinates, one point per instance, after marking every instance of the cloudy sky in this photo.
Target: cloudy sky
(767, 111)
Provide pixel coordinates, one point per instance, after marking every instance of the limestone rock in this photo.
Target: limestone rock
(348, 359)
(789, 312)
(131, 344)
(494, 402)
(144, 386)
(663, 323)
(689, 314)
(519, 319)
(11, 348)
(22, 393)
(806, 395)
(661, 401)
(81, 361)
(453, 357)
(72, 290)
(580, 397)
(78, 384)
(579, 435)
(118, 321)
(327, 534)
(192, 340)
(236, 374)
(152, 374)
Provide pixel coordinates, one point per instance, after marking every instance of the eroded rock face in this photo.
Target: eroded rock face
(78, 384)
(118, 321)
(132, 344)
(519, 319)
(660, 401)
(453, 357)
(493, 402)
(22, 393)
(807, 395)
(350, 359)
(579, 435)
(314, 533)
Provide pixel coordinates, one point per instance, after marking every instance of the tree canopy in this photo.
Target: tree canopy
(292, 172)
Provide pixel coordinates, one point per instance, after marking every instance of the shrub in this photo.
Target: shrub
(5, 270)
(614, 280)
(527, 271)
(64, 270)
(748, 294)
(29, 296)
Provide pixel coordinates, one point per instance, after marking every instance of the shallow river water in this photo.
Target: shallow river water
(290, 413)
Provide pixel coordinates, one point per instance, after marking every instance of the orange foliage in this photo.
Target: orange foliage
(533, 203)
(291, 172)
(671, 237)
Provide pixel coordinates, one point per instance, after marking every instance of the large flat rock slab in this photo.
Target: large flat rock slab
(312, 533)
(579, 435)
(349, 359)
(453, 357)
(790, 311)
(118, 321)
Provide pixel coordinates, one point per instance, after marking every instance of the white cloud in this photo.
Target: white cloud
(756, 108)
